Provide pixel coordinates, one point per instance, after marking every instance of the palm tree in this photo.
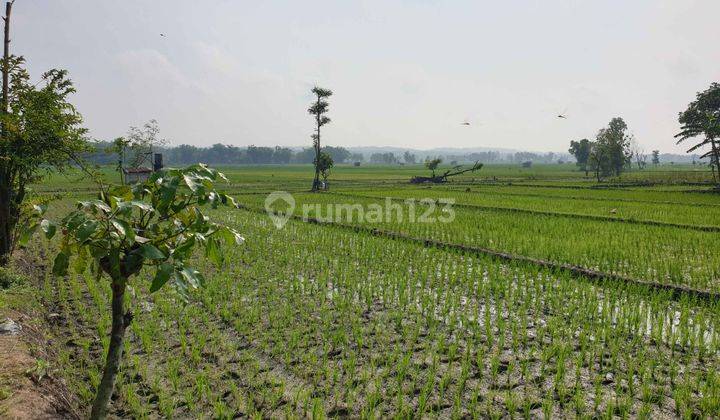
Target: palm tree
(702, 117)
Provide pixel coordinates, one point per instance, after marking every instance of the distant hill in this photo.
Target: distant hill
(368, 150)
(434, 151)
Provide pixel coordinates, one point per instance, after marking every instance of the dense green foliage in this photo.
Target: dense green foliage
(610, 153)
(702, 117)
(432, 165)
(324, 163)
(41, 130)
(581, 151)
(156, 224)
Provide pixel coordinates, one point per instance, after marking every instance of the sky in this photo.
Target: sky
(404, 73)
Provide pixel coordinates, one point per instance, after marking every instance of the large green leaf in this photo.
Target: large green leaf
(40, 209)
(184, 249)
(191, 182)
(124, 229)
(26, 232)
(133, 263)
(114, 260)
(141, 205)
(86, 230)
(167, 194)
(95, 204)
(151, 252)
(164, 271)
(121, 191)
(81, 261)
(60, 266)
(214, 252)
(74, 219)
(230, 236)
(100, 248)
(192, 277)
(49, 228)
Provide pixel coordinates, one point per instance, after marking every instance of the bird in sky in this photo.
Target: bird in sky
(561, 116)
(465, 123)
(162, 35)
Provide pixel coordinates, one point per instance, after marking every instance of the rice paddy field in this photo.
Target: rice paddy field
(545, 295)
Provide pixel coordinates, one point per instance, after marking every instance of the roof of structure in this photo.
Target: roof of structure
(140, 170)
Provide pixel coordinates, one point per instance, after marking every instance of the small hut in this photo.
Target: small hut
(142, 173)
(135, 175)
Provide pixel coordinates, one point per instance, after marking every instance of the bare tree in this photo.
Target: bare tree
(440, 178)
(638, 153)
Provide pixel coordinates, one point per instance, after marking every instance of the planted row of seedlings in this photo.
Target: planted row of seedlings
(180, 361)
(313, 320)
(641, 196)
(611, 217)
(665, 255)
(686, 215)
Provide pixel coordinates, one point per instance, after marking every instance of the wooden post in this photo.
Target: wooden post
(6, 56)
(6, 63)
(6, 187)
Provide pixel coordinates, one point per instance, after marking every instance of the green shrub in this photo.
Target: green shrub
(9, 278)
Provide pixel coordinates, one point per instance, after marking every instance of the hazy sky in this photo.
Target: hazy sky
(404, 73)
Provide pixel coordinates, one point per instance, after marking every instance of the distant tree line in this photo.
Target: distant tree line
(222, 154)
(387, 158)
(500, 157)
(409, 158)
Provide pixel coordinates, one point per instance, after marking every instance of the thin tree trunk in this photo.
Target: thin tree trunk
(6, 201)
(316, 181)
(120, 321)
(6, 62)
(716, 165)
(5, 224)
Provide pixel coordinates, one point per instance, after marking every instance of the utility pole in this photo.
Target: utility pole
(7, 194)
(6, 64)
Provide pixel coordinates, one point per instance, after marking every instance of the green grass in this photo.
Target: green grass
(314, 321)
(668, 255)
(345, 175)
(319, 319)
(667, 212)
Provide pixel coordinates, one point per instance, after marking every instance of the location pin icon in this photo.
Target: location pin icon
(279, 219)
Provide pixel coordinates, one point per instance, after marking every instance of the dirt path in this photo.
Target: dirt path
(27, 387)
